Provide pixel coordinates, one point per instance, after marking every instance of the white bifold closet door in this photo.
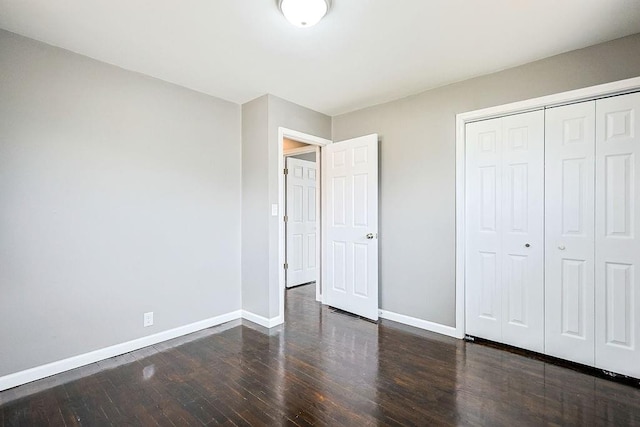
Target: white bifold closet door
(569, 232)
(617, 290)
(504, 238)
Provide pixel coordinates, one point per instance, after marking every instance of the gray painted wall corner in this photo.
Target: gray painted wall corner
(255, 206)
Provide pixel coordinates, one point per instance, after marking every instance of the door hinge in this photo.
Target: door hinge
(286, 266)
(286, 171)
(286, 218)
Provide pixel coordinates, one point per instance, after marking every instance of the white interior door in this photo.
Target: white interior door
(523, 230)
(350, 225)
(301, 224)
(505, 230)
(617, 243)
(569, 218)
(484, 227)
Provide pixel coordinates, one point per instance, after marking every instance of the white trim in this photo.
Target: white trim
(260, 320)
(53, 368)
(301, 137)
(555, 100)
(307, 139)
(319, 217)
(460, 226)
(573, 96)
(422, 324)
(304, 150)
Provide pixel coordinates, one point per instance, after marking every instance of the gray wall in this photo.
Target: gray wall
(119, 194)
(417, 175)
(255, 206)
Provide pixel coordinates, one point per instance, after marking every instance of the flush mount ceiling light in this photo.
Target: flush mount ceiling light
(304, 13)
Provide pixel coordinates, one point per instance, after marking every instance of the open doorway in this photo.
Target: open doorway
(301, 214)
(300, 255)
(347, 233)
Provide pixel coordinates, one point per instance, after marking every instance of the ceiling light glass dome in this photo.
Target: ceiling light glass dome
(304, 13)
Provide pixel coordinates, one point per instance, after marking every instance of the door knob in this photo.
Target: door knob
(370, 236)
(527, 245)
(562, 248)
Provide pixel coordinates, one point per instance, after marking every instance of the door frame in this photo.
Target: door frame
(300, 150)
(570, 97)
(318, 142)
(292, 152)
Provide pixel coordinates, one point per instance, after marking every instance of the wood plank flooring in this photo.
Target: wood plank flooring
(321, 368)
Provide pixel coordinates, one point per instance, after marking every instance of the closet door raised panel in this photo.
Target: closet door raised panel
(617, 243)
(484, 224)
(523, 230)
(569, 219)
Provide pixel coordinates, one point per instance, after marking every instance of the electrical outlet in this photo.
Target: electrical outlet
(148, 319)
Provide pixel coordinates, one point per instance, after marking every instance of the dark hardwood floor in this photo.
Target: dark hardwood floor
(321, 368)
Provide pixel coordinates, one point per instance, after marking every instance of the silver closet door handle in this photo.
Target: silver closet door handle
(370, 236)
(561, 247)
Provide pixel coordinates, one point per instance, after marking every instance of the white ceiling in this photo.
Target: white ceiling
(364, 52)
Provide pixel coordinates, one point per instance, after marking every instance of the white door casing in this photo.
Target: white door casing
(301, 224)
(569, 234)
(617, 290)
(504, 230)
(350, 225)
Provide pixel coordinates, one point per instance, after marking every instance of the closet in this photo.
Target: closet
(552, 201)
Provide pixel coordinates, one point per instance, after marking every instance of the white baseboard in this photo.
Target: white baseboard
(260, 320)
(422, 324)
(43, 371)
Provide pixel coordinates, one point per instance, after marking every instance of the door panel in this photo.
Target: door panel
(301, 226)
(523, 230)
(489, 297)
(516, 288)
(617, 287)
(484, 218)
(504, 221)
(350, 196)
(569, 219)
